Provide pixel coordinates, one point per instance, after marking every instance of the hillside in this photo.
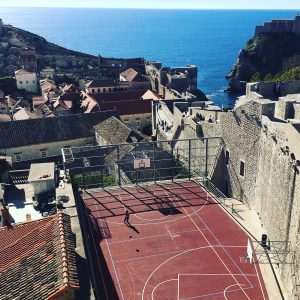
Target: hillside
(266, 55)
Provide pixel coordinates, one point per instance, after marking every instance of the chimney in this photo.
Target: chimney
(5, 215)
(28, 217)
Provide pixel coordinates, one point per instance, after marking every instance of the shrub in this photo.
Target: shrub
(255, 77)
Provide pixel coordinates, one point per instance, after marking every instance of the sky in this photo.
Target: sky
(172, 4)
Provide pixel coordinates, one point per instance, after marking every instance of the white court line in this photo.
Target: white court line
(160, 219)
(155, 236)
(169, 259)
(214, 274)
(229, 256)
(262, 291)
(162, 282)
(112, 261)
(183, 250)
(178, 294)
(214, 294)
(230, 287)
(154, 223)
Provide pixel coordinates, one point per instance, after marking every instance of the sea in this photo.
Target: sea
(210, 39)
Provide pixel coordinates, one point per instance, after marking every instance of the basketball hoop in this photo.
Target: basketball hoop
(141, 163)
(141, 160)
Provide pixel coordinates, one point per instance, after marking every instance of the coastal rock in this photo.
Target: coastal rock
(266, 54)
(236, 86)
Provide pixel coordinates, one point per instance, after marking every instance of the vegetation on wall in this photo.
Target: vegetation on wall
(8, 85)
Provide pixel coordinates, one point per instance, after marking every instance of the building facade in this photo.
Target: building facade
(26, 80)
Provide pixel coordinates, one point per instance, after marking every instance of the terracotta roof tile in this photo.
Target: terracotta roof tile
(47, 130)
(32, 256)
(132, 75)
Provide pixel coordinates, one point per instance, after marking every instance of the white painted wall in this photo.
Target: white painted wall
(27, 81)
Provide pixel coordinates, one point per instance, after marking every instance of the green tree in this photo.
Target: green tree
(293, 74)
(76, 104)
(68, 79)
(8, 85)
(255, 77)
(4, 166)
(268, 77)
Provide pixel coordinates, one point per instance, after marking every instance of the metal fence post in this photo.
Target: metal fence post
(206, 161)
(154, 167)
(190, 155)
(118, 165)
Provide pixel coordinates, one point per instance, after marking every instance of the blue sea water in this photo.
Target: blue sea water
(210, 39)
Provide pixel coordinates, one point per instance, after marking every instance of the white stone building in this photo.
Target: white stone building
(26, 80)
(43, 138)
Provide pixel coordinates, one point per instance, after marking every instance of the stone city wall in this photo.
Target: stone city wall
(277, 197)
(280, 26)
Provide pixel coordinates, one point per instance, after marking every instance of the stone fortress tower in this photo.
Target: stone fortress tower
(280, 26)
(1, 27)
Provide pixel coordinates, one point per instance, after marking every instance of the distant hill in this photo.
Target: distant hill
(267, 56)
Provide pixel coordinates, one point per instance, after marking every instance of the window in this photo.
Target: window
(33, 81)
(109, 89)
(227, 157)
(104, 90)
(44, 153)
(21, 82)
(93, 91)
(242, 168)
(26, 81)
(98, 90)
(18, 157)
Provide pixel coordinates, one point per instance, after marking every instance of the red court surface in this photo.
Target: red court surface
(180, 244)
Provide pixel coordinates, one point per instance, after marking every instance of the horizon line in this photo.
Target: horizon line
(153, 8)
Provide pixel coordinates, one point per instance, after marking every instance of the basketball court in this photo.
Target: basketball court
(179, 244)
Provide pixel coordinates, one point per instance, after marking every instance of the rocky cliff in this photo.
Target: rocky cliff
(266, 55)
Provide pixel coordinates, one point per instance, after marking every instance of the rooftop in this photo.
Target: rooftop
(114, 131)
(128, 107)
(103, 83)
(47, 130)
(42, 172)
(37, 259)
(131, 75)
(118, 96)
(23, 72)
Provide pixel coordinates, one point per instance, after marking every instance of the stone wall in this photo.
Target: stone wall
(138, 121)
(280, 26)
(241, 134)
(278, 194)
(53, 149)
(266, 89)
(270, 151)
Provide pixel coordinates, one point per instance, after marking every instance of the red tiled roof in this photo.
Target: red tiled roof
(70, 88)
(128, 107)
(131, 75)
(102, 83)
(4, 118)
(37, 259)
(69, 96)
(118, 96)
(22, 72)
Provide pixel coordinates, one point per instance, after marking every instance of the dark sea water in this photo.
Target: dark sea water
(210, 39)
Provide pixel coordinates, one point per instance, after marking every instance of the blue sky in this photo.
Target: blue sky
(185, 4)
